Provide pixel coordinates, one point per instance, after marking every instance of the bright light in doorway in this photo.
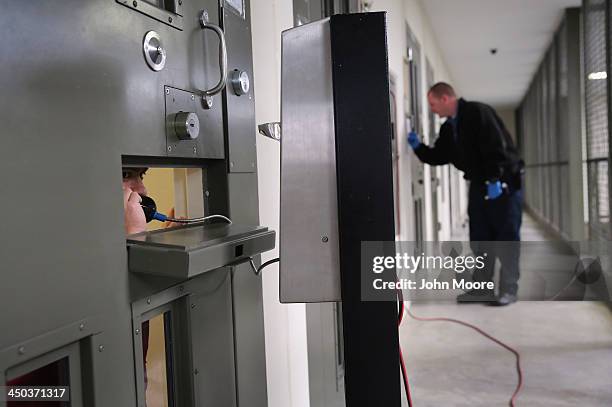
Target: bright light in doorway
(597, 75)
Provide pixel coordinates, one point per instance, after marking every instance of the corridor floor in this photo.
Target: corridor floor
(565, 348)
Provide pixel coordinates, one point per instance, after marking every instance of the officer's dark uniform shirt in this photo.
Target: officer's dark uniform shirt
(477, 143)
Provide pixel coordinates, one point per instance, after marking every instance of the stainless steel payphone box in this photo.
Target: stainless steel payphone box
(309, 248)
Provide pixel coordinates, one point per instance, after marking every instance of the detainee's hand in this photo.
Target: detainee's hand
(134, 217)
(413, 140)
(169, 224)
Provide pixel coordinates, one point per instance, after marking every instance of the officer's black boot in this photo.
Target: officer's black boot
(482, 295)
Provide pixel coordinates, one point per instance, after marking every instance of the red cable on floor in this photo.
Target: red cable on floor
(483, 333)
(402, 364)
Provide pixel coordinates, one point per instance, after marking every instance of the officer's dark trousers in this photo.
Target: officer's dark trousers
(497, 220)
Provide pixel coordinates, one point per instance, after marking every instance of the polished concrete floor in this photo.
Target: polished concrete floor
(565, 347)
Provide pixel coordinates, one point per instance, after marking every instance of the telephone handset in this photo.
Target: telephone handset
(150, 209)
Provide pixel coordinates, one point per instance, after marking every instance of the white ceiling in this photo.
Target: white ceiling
(521, 30)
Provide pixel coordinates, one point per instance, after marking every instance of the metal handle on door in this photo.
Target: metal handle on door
(271, 130)
(205, 25)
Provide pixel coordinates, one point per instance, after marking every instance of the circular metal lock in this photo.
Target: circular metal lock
(241, 82)
(186, 125)
(154, 51)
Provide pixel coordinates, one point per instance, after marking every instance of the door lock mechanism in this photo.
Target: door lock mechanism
(186, 125)
(241, 82)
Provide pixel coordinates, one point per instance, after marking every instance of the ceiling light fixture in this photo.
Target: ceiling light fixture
(597, 75)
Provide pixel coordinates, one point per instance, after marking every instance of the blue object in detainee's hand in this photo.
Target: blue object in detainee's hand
(413, 140)
(494, 189)
(160, 217)
(150, 209)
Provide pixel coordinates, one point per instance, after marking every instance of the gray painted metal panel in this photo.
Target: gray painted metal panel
(326, 383)
(104, 65)
(212, 335)
(249, 337)
(309, 252)
(243, 196)
(240, 110)
(81, 97)
(208, 144)
(61, 263)
(202, 343)
(243, 204)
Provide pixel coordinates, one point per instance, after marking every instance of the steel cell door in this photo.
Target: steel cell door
(412, 103)
(435, 179)
(395, 152)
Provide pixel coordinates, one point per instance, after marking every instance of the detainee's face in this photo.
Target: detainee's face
(441, 106)
(132, 178)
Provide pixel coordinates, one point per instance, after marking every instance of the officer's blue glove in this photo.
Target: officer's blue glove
(413, 140)
(494, 189)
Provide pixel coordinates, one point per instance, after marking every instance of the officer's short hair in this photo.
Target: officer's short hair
(442, 88)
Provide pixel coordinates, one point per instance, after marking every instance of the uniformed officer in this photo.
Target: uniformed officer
(475, 140)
